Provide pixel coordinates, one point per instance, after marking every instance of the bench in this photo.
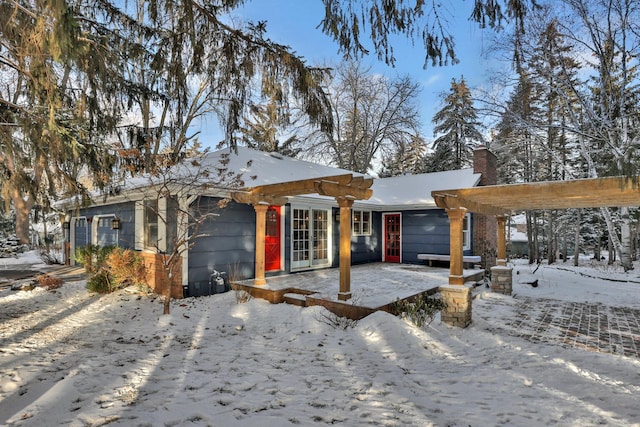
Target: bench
(470, 259)
(475, 275)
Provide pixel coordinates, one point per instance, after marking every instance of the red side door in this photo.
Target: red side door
(272, 239)
(392, 238)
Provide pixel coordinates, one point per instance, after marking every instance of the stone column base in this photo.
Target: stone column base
(502, 279)
(458, 305)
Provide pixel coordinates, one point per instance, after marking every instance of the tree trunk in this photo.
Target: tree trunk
(22, 206)
(612, 252)
(536, 239)
(625, 244)
(576, 254)
(616, 245)
(551, 241)
(530, 230)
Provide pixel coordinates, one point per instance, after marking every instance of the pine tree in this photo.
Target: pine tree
(264, 129)
(409, 159)
(553, 71)
(458, 127)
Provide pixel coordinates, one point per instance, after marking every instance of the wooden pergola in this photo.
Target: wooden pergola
(501, 200)
(344, 188)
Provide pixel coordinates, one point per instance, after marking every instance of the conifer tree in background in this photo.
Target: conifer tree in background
(407, 159)
(267, 128)
(552, 66)
(459, 129)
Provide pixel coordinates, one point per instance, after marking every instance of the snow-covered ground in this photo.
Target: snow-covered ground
(71, 358)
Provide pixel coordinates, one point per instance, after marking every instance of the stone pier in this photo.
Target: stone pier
(502, 279)
(458, 305)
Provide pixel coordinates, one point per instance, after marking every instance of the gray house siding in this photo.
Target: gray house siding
(425, 231)
(364, 249)
(124, 211)
(172, 222)
(229, 245)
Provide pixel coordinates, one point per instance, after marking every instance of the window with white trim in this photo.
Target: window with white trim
(150, 220)
(466, 232)
(361, 223)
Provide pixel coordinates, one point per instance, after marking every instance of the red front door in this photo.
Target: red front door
(392, 238)
(272, 239)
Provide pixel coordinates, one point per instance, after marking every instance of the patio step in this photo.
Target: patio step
(295, 299)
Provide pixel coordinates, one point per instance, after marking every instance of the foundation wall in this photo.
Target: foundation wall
(157, 277)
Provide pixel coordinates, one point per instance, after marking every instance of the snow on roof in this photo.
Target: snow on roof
(414, 191)
(262, 168)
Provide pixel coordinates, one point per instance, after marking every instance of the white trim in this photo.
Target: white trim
(162, 224)
(94, 228)
(310, 208)
(72, 237)
(362, 211)
(467, 237)
(182, 229)
(283, 213)
(139, 226)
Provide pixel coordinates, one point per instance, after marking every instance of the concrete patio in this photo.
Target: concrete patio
(373, 286)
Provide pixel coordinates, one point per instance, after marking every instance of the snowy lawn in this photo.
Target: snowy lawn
(71, 358)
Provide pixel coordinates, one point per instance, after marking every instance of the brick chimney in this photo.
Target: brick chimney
(485, 162)
(485, 237)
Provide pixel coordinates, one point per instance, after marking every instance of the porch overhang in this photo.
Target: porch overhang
(345, 188)
(346, 185)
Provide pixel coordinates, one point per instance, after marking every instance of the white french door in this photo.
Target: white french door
(310, 237)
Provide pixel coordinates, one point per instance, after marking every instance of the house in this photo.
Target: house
(302, 212)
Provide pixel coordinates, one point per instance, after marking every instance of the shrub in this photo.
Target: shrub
(419, 310)
(112, 267)
(92, 257)
(49, 282)
(126, 267)
(100, 282)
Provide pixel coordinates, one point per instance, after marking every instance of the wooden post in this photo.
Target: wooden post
(261, 222)
(502, 241)
(345, 248)
(456, 245)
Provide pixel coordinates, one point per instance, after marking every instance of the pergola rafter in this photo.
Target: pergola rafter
(344, 188)
(501, 200)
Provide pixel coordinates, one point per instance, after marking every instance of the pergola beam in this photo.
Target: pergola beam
(579, 193)
(500, 200)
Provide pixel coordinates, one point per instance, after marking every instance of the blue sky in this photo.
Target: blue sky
(294, 23)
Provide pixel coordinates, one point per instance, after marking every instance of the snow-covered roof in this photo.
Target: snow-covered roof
(414, 191)
(259, 168)
(262, 168)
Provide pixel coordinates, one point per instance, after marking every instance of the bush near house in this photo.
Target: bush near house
(126, 267)
(92, 257)
(113, 268)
